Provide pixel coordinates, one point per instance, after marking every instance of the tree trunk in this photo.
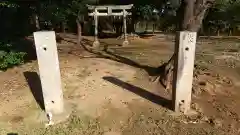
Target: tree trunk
(202, 32)
(63, 26)
(36, 12)
(146, 26)
(36, 20)
(132, 26)
(135, 26)
(230, 31)
(218, 32)
(209, 32)
(133, 21)
(190, 16)
(79, 31)
(153, 30)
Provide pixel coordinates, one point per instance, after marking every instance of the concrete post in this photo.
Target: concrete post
(48, 63)
(183, 71)
(125, 42)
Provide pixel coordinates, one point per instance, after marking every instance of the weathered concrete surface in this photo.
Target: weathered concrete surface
(46, 47)
(183, 72)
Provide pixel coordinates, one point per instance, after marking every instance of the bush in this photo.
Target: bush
(9, 57)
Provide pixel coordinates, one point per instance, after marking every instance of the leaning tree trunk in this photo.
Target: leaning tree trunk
(190, 16)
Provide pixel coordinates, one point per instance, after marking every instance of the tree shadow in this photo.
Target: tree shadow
(104, 35)
(141, 92)
(152, 71)
(106, 54)
(86, 42)
(35, 86)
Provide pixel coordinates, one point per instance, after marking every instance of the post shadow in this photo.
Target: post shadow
(35, 86)
(141, 92)
(12, 134)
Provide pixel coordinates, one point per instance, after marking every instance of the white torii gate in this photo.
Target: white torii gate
(109, 10)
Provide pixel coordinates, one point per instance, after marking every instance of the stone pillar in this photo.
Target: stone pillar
(125, 42)
(96, 42)
(46, 48)
(183, 71)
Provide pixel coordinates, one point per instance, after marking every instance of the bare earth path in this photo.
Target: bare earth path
(116, 98)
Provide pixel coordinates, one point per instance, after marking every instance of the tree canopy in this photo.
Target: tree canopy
(61, 15)
(22, 18)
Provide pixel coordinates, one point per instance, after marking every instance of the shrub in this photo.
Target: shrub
(9, 57)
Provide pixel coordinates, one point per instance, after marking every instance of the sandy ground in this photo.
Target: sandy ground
(110, 93)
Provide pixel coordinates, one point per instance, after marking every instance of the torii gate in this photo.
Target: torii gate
(109, 10)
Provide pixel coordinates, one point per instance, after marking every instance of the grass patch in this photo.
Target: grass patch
(74, 126)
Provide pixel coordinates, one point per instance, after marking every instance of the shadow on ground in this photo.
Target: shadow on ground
(12, 134)
(139, 91)
(105, 53)
(103, 35)
(86, 42)
(35, 86)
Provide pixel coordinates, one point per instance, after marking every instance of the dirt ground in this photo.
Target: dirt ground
(109, 92)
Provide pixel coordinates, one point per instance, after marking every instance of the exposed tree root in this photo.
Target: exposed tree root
(165, 75)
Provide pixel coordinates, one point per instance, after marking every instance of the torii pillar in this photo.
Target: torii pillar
(96, 41)
(125, 42)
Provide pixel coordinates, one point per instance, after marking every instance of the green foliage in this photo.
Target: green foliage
(145, 12)
(223, 16)
(53, 12)
(8, 4)
(8, 57)
(78, 8)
